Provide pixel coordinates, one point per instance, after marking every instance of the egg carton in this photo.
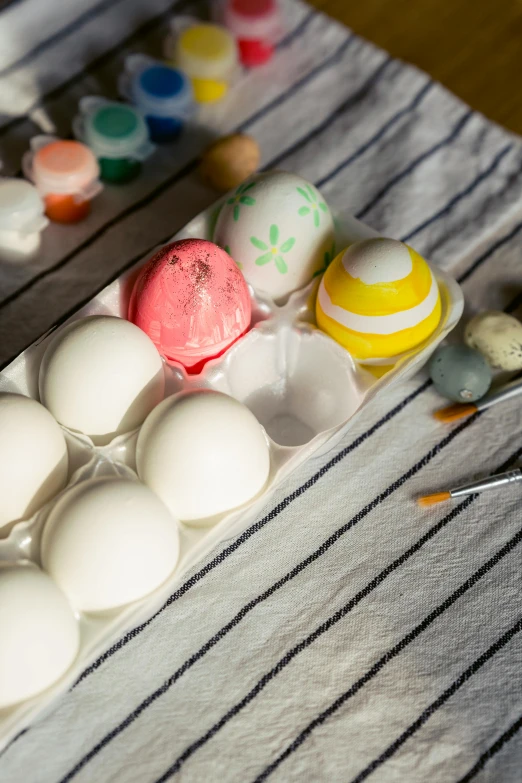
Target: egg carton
(303, 387)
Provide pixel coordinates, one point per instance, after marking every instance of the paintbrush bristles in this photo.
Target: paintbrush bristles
(454, 412)
(431, 500)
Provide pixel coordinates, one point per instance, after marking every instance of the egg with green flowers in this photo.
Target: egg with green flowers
(279, 230)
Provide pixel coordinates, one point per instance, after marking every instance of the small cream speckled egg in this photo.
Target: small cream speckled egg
(498, 337)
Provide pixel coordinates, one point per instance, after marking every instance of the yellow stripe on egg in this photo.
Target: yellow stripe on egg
(385, 296)
(378, 299)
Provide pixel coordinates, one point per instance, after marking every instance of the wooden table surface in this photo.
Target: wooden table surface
(474, 47)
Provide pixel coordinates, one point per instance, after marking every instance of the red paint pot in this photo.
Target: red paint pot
(255, 24)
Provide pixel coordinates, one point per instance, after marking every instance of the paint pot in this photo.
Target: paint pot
(118, 136)
(21, 219)
(162, 94)
(207, 53)
(66, 174)
(255, 25)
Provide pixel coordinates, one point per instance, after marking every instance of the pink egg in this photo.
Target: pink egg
(192, 301)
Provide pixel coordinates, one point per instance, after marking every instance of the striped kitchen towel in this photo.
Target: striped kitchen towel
(347, 634)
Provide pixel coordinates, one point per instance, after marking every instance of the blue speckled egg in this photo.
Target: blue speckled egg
(460, 373)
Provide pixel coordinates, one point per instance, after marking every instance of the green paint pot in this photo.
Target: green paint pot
(117, 134)
(119, 170)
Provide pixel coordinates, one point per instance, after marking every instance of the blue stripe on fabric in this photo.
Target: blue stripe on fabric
(446, 142)
(294, 34)
(337, 112)
(484, 257)
(290, 91)
(492, 751)
(355, 688)
(386, 658)
(377, 136)
(482, 177)
(52, 40)
(463, 678)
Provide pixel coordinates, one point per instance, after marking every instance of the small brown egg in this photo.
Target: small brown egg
(229, 161)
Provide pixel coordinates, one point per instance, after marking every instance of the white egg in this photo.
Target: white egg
(109, 541)
(33, 457)
(101, 376)
(203, 453)
(498, 337)
(279, 230)
(39, 637)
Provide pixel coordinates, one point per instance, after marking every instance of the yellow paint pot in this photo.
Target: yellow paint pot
(208, 55)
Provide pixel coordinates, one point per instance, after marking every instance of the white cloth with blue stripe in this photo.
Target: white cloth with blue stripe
(347, 634)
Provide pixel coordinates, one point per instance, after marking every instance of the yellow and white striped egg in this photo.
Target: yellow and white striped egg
(378, 299)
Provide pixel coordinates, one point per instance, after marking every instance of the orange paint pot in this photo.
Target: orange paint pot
(66, 173)
(65, 209)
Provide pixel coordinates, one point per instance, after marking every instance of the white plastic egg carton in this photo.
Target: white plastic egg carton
(302, 386)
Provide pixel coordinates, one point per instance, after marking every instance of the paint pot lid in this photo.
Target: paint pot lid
(253, 19)
(21, 207)
(206, 51)
(113, 130)
(64, 167)
(161, 91)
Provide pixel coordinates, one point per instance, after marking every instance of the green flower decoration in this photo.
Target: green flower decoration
(273, 251)
(239, 198)
(237, 263)
(328, 257)
(312, 206)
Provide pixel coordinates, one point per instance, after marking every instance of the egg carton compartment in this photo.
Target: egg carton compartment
(303, 388)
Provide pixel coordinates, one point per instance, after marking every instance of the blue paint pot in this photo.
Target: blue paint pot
(161, 93)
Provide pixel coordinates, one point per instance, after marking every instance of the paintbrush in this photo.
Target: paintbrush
(512, 476)
(460, 411)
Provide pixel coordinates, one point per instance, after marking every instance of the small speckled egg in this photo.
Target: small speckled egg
(460, 373)
(378, 299)
(280, 230)
(498, 337)
(40, 635)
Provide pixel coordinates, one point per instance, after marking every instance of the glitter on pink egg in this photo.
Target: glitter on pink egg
(192, 301)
